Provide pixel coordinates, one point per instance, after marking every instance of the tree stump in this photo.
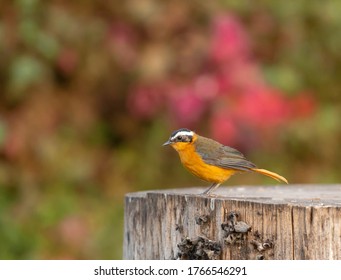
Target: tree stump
(293, 222)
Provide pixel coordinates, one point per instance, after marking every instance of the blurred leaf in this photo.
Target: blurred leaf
(25, 71)
(39, 40)
(47, 45)
(27, 7)
(283, 77)
(329, 120)
(3, 132)
(28, 30)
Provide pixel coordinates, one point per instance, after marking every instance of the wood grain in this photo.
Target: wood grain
(286, 222)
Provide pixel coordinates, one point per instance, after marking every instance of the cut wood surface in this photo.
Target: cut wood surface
(244, 222)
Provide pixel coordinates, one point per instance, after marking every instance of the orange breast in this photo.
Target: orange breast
(193, 162)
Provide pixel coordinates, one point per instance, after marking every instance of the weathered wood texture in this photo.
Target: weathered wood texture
(270, 222)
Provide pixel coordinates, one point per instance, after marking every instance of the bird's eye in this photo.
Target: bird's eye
(179, 138)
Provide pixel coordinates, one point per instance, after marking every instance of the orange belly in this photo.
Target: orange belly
(210, 173)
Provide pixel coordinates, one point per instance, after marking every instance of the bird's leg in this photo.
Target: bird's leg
(211, 188)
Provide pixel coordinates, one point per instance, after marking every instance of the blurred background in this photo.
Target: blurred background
(89, 90)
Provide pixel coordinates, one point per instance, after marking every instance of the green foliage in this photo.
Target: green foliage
(25, 71)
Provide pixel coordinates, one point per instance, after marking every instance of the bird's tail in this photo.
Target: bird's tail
(268, 173)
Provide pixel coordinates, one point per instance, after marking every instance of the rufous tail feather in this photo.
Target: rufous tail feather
(270, 174)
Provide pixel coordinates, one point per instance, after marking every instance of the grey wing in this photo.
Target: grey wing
(226, 157)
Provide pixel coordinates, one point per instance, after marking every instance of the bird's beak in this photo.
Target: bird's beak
(166, 143)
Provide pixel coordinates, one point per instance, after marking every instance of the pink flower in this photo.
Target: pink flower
(233, 96)
(121, 41)
(263, 107)
(144, 101)
(186, 106)
(206, 86)
(223, 129)
(229, 41)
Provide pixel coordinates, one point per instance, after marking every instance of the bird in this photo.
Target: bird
(210, 160)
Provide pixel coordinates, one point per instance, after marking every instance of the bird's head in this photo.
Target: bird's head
(181, 138)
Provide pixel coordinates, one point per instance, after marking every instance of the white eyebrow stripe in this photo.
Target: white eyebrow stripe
(183, 133)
